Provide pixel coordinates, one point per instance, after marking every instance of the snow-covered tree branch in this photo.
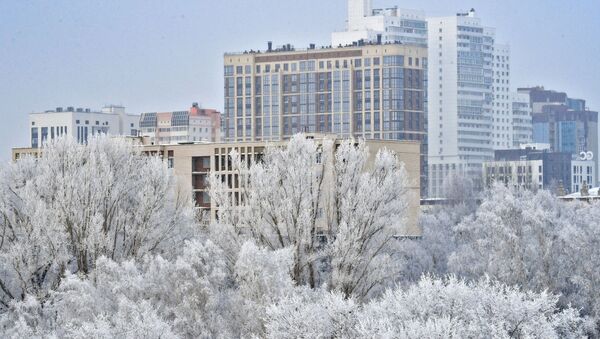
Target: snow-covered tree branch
(326, 203)
(76, 203)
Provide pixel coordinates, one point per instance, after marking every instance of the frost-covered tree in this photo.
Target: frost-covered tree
(60, 212)
(305, 192)
(190, 296)
(535, 241)
(439, 308)
(453, 308)
(511, 237)
(579, 243)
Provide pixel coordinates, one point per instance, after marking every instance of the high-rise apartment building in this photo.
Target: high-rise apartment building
(522, 127)
(461, 58)
(375, 91)
(390, 25)
(80, 123)
(195, 124)
(502, 119)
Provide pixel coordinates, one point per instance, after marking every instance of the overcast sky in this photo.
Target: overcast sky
(163, 55)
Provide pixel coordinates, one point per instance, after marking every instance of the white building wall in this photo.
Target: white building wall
(582, 170)
(393, 24)
(502, 127)
(79, 125)
(521, 119)
(357, 10)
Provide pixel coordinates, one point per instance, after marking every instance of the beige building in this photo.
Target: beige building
(375, 91)
(195, 124)
(193, 162)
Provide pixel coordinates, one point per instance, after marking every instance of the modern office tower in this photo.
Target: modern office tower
(559, 121)
(502, 120)
(80, 123)
(521, 119)
(460, 97)
(195, 124)
(390, 25)
(374, 91)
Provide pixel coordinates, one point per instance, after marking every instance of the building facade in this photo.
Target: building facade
(502, 113)
(461, 66)
(564, 123)
(80, 124)
(192, 163)
(371, 91)
(540, 168)
(196, 124)
(526, 174)
(582, 172)
(522, 126)
(390, 25)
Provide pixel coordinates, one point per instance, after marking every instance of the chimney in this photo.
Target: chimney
(379, 36)
(312, 46)
(59, 109)
(472, 13)
(270, 46)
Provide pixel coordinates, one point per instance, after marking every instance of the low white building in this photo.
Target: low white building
(80, 123)
(582, 171)
(527, 174)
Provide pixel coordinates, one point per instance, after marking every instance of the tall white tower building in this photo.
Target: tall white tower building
(502, 120)
(387, 25)
(357, 10)
(460, 97)
(522, 125)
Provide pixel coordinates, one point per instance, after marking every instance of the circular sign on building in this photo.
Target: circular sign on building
(586, 156)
